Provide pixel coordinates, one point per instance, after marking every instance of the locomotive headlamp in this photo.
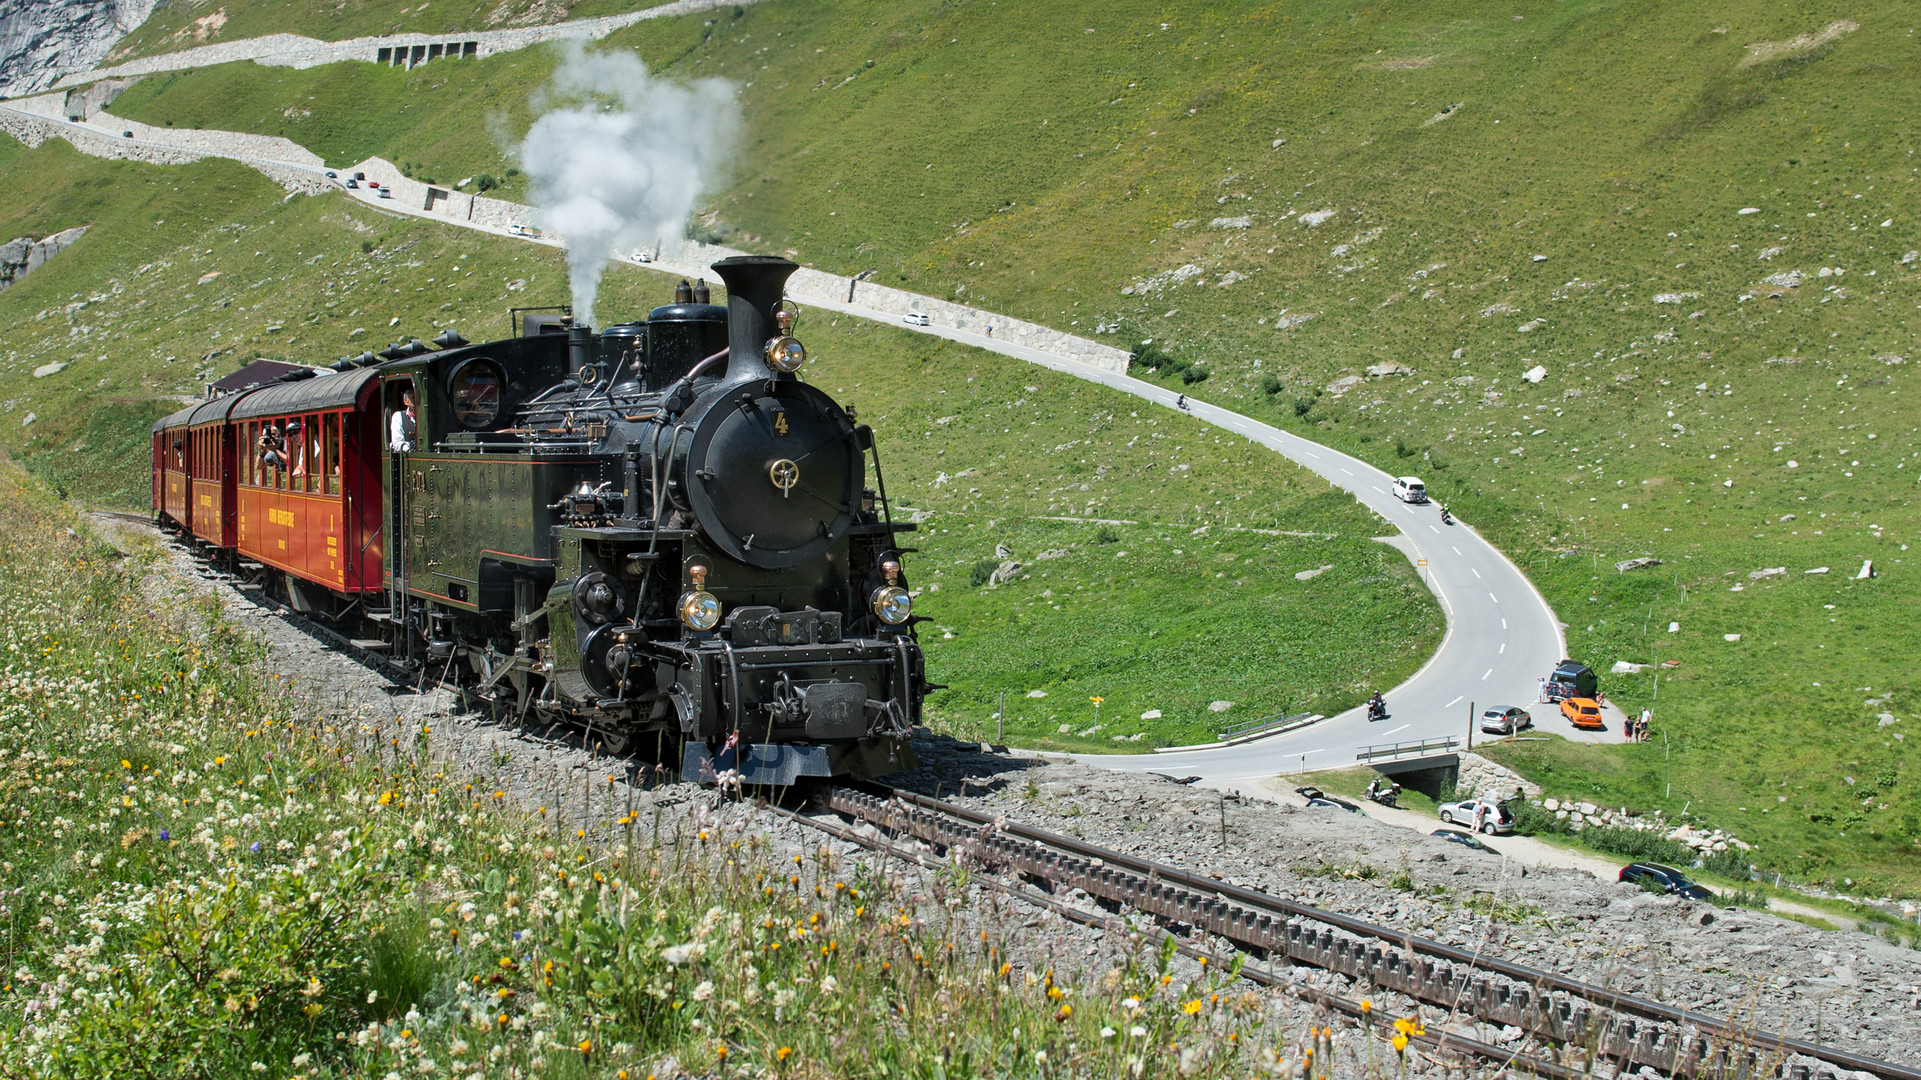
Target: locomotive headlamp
(892, 604)
(700, 610)
(785, 354)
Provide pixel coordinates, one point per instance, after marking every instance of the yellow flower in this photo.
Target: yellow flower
(784, 1053)
(1366, 1006)
(1400, 1043)
(1192, 1007)
(586, 1046)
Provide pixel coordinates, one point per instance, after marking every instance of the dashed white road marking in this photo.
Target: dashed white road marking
(1494, 598)
(1504, 624)
(1457, 551)
(1433, 530)
(1486, 673)
(1503, 649)
(1397, 730)
(1382, 492)
(1347, 470)
(1453, 703)
(1477, 573)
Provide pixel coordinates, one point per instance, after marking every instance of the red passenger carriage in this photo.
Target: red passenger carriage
(308, 480)
(172, 480)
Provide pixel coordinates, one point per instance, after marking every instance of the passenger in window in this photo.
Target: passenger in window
(296, 448)
(404, 427)
(271, 451)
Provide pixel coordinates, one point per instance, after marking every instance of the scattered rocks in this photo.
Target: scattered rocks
(1816, 570)
(1675, 297)
(1636, 563)
(1790, 279)
(1316, 217)
(1730, 637)
(1391, 367)
(1772, 571)
(1343, 384)
(1151, 714)
(1529, 327)
(54, 368)
(1535, 374)
(1219, 706)
(1037, 693)
(1004, 573)
(23, 255)
(1622, 667)
(1309, 575)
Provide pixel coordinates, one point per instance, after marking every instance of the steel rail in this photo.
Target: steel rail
(1443, 1041)
(1612, 1000)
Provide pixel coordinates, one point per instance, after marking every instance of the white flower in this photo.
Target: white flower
(1040, 1057)
(1137, 1032)
(1107, 1033)
(1132, 1004)
(704, 991)
(677, 955)
(259, 1066)
(829, 984)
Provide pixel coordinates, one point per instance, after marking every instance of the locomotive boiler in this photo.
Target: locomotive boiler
(657, 531)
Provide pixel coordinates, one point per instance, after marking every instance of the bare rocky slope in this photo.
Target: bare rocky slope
(40, 40)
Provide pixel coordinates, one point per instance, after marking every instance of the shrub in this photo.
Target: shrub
(1271, 385)
(1637, 846)
(1532, 820)
(485, 182)
(982, 572)
(1303, 406)
(1106, 535)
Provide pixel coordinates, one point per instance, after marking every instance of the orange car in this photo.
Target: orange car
(1582, 712)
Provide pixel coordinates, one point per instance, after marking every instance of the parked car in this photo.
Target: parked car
(1583, 713)
(914, 318)
(1460, 838)
(1409, 489)
(1571, 678)
(1669, 880)
(1500, 820)
(1505, 720)
(1315, 797)
(360, 176)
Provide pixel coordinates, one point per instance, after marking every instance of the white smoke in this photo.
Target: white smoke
(619, 158)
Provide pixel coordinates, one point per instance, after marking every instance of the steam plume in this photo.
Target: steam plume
(619, 158)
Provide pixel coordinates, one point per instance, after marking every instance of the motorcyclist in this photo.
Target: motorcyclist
(1376, 706)
(1446, 518)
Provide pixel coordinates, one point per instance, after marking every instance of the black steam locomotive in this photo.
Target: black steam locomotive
(656, 531)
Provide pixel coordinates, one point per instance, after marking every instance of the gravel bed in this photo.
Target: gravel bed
(1841, 988)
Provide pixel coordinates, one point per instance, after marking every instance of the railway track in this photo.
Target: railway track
(1564, 1018)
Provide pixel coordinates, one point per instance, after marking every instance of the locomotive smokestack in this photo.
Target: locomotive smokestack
(580, 347)
(755, 286)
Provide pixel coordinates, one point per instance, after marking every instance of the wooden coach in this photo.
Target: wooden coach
(308, 481)
(172, 478)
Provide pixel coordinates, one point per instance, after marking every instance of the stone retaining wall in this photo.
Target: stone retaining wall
(220, 143)
(402, 50)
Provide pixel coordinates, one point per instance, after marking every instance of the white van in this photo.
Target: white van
(914, 318)
(1409, 489)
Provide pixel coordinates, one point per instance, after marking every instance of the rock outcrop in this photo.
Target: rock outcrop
(41, 40)
(23, 255)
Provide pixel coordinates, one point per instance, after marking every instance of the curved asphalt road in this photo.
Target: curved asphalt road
(1501, 635)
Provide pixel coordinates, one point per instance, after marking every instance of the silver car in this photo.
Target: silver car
(1499, 820)
(1505, 720)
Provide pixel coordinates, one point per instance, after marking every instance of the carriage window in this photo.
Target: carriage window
(475, 387)
(330, 452)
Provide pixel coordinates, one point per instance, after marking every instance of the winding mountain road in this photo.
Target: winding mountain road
(1501, 635)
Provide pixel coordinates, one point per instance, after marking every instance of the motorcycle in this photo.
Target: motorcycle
(1376, 710)
(1387, 796)
(1446, 518)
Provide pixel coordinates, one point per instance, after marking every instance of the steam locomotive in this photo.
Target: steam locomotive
(657, 530)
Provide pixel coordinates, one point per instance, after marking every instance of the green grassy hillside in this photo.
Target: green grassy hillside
(1138, 528)
(1283, 196)
(184, 24)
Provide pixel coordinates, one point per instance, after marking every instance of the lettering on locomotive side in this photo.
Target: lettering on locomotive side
(280, 517)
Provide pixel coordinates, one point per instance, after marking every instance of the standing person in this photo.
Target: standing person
(405, 426)
(1647, 721)
(1480, 813)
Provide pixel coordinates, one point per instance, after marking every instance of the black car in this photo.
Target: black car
(1667, 880)
(1460, 838)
